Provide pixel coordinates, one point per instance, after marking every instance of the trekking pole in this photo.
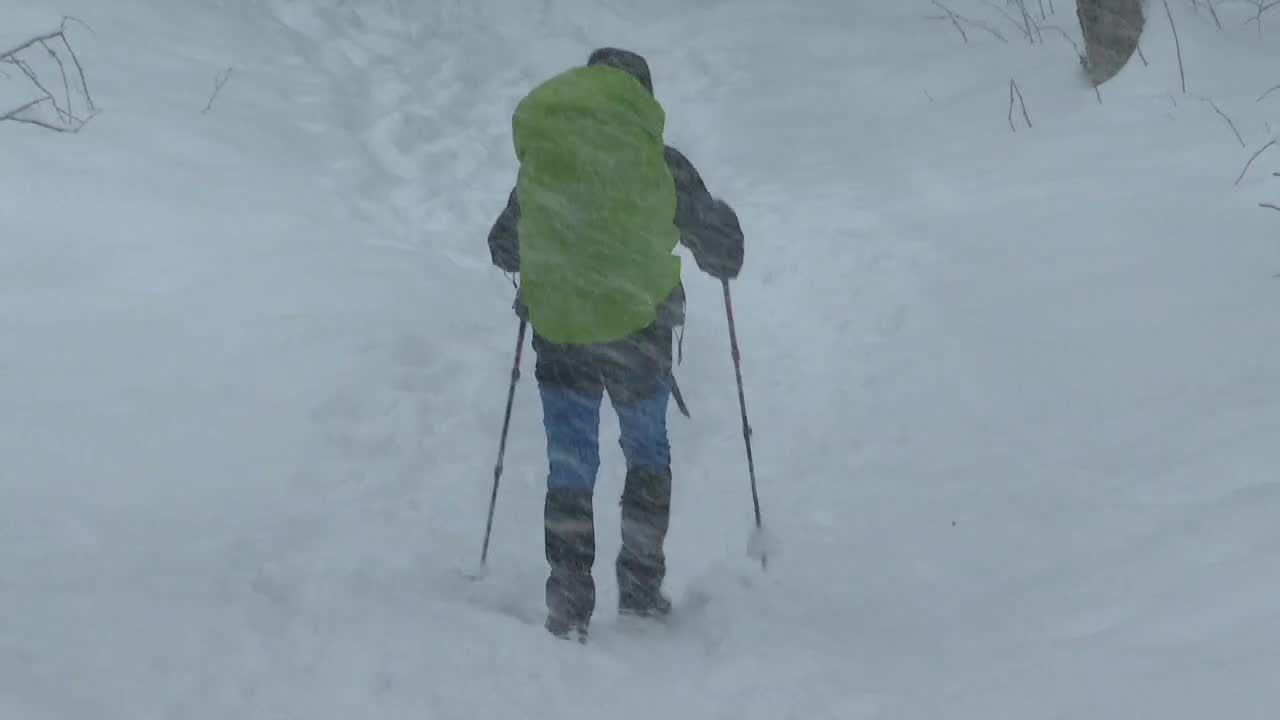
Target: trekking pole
(746, 426)
(502, 443)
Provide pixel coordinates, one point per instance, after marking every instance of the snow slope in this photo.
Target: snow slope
(1014, 393)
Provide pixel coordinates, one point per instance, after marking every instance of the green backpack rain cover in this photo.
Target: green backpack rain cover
(597, 207)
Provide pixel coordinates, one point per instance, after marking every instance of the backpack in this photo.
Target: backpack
(597, 206)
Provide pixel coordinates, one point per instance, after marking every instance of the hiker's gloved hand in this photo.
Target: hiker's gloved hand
(504, 237)
(720, 242)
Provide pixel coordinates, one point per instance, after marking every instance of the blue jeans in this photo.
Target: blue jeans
(573, 379)
(572, 420)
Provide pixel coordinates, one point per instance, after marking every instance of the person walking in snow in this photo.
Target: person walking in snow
(591, 226)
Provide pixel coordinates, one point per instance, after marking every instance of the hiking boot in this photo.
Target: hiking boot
(649, 605)
(641, 565)
(570, 549)
(566, 628)
(571, 598)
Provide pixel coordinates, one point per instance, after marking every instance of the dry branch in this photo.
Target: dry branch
(34, 41)
(983, 26)
(218, 81)
(65, 108)
(975, 23)
(1066, 36)
(1012, 127)
(959, 21)
(1023, 103)
(1016, 92)
(1011, 19)
(1214, 12)
(1230, 122)
(1026, 19)
(1263, 7)
(62, 71)
(35, 80)
(1177, 44)
(19, 110)
(1030, 23)
(1255, 157)
(955, 20)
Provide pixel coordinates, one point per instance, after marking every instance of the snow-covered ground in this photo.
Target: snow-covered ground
(1015, 394)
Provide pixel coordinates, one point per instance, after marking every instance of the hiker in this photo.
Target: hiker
(591, 226)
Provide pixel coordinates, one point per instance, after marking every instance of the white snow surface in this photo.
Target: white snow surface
(1015, 395)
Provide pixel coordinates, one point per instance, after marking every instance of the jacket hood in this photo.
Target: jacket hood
(624, 60)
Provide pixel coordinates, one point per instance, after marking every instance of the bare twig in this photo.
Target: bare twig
(35, 80)
(955, 20)
(1214, 12)
(1012, 127)
(51, 35)
(1025, 115)
(1014, 91)
(33, 41)
(1218, 110)
(1177, 45)
(45, 125)
(1010, 18)
(1264, 95)
(975, 23)
(959, 20)
(1269, 206)
(983, 26)
(1255, 157)
(62, 71)
(84, 82)
(1026, 18)
(1098, 92)
(1263, 7)
(220, 80)
(1142, 56)
(73, 19)
(1031, 18)
(13, 114)
(1066, 37)
(67, 118)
